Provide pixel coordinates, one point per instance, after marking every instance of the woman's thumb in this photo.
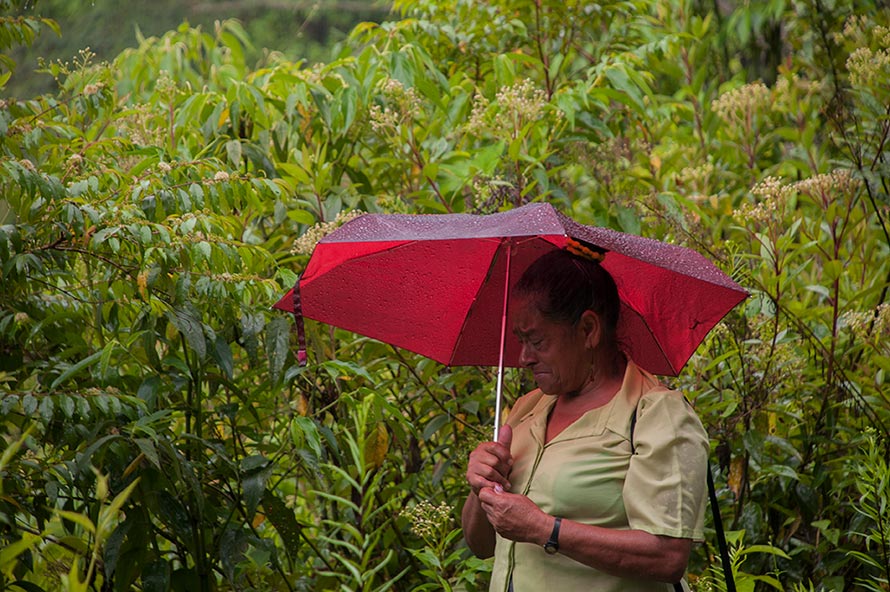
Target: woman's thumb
(505, 435)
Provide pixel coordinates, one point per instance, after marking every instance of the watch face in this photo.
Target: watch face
(551, 548)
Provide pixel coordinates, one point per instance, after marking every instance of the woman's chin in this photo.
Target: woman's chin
(546, 387)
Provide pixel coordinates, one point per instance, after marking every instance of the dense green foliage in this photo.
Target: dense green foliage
(309, 30)
(158, 433)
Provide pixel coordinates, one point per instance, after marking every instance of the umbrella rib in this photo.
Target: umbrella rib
(515, 241)
(657, 343)
(475, 299)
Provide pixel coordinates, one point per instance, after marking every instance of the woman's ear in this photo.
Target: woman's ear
(592, 329)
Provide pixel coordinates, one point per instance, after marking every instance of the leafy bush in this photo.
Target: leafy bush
(160, 434)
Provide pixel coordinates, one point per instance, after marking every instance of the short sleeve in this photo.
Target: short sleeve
(666, 485)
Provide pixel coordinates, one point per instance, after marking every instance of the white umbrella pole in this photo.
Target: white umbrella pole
(500, 384)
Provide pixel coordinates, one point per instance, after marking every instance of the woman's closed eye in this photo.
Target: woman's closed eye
(534, 343)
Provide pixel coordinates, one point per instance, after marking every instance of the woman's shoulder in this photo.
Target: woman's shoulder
(525, 405)
(667, 410)
(656, 403)
(649, 389)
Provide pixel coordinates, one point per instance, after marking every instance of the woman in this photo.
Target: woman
(597, 481)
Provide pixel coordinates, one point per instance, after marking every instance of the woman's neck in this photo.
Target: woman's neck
(604, 382)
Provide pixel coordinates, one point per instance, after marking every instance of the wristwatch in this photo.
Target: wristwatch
(552, 544)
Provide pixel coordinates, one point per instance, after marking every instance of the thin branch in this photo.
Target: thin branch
(56, 246)
(435, 399)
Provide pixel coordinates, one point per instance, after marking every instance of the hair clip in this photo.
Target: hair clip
(579, 249)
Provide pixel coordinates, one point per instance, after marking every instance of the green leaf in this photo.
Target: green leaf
(301, 216)
(46, 408)
(187, 321)
(12, 551)
(85, 458)
(233, 152)
(79, 519)
(629, 220)
(66, 403)
(76, 368)
(29, 404)
(147, 447)
(232, 546)
(174, 514)
(109, 514)
(204, 249)
(156, 576)
(284, 520)
(620, 80)
(26, 586)
(305, 432)
(222, 355)
(277, 344)
(434, 425)
(341, 369)
(254, 485)
(768, 549)
(486, 159)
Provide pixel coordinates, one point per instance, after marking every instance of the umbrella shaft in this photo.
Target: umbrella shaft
(500, 383)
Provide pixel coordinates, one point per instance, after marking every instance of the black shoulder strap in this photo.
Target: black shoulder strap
(721, 536)
(715, 512)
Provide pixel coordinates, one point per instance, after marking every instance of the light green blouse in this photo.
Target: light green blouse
(590, 473)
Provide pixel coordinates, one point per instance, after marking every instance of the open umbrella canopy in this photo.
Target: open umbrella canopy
(435, 284)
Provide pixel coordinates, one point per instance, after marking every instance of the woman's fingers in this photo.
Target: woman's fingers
(514, 517)
(484, 476)
(489, 465)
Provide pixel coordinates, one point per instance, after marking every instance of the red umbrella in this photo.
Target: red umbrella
(437, 285)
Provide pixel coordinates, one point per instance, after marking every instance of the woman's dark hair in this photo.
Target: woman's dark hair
(564, 285)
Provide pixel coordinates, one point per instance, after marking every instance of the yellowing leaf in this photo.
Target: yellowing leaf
(223, 117)
(376, 446)
(736, 471)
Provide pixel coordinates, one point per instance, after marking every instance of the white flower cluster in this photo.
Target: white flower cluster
(429, 521)
(401, 106)
(826, 188)
(790, 91)
(218, 177)
(871, 325)
(738, 106)
(853, 28)
(869, 63)
(165, 85)
(697, 179)
(524, 100)
(306, 243)
(868, 67)
(91, 89)
(477, 120)
(773, 195)
(514, 106)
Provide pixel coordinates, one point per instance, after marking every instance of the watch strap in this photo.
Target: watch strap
(552, 544)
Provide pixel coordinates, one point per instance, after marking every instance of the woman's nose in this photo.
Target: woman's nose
(526, 357)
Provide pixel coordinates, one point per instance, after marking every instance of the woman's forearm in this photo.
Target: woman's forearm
(626, 553)
(478, 532)
(623, 553)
